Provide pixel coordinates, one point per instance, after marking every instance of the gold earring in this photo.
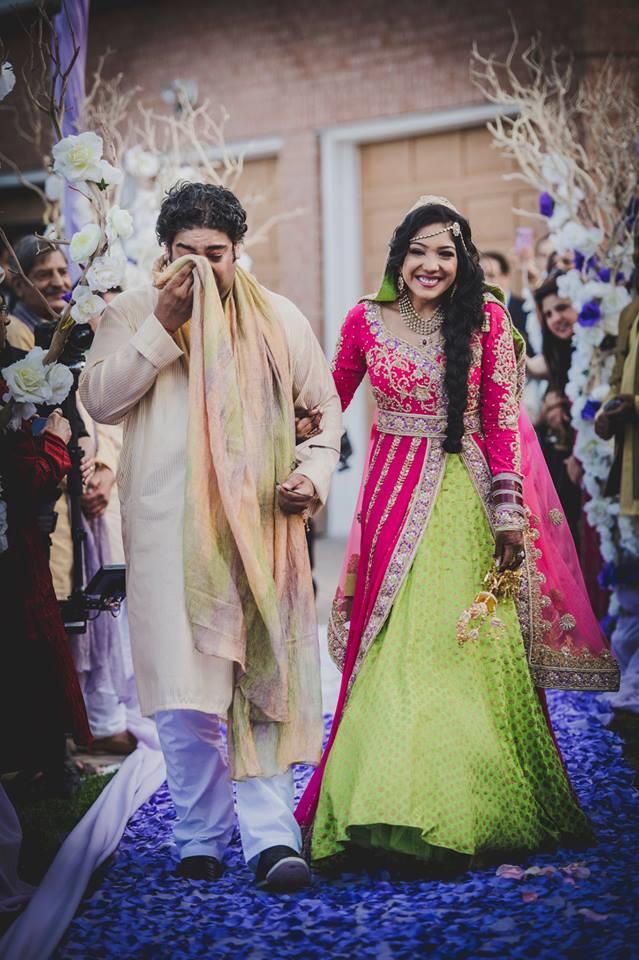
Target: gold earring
(401, 283)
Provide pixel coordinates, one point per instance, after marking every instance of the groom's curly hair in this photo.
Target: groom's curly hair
(189, 205)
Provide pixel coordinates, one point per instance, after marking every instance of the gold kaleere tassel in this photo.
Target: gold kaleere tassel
(501, 585)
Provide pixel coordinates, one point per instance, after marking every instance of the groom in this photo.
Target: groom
(206, 374)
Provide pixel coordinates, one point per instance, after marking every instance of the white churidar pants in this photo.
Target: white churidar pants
(105, 711)
(197, 774)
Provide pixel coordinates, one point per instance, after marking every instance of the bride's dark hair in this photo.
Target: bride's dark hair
(463, 305)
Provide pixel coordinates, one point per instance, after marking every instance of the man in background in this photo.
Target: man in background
(497, 270)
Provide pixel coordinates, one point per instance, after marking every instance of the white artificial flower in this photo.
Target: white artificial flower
(555, 168)
(595, 289)
(20, 412)
(560, 215)
(7, 79)
(600, 392)
(615, 299)
(570, 195)
(119, 224)
(86, 305)
(78, 157)
(141, 163)
(574, 236)
(85, 242)
(26, 379)
(571, 287)
(106, 271)
(107, 173)
(60, 380)
(54, 188)
(186, 174)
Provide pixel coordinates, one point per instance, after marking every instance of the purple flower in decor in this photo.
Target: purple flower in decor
(590, 408)
(546, 204)
(608, 624)
(620, 277)
(607, 576)
(605, 274)
(590, 314)
(592, 264)
(67, 296)
(579, 260)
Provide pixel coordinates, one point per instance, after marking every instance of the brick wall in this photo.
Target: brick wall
(289, 69)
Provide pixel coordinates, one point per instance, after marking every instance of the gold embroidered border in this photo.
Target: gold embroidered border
(418, 515)
(384, 473)
(390, 503)
(337, 635)
(421, 424)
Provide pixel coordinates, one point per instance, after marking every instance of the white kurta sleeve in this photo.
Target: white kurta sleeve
(123, 362)
(313, 386)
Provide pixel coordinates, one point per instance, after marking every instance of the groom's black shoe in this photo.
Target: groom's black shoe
(282, 870)
(200, 868)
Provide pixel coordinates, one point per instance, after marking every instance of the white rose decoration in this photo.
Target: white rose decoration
(560, 215)
(571, 236)
(119, 224)
(141, 163)
(106, 272)
(7, 79)
(86, 305)
(571, 287)
(20, 412)
(615, 300)
(78, 157)
(554, 168)
(85, 242)
(108, 173)
(54, 188)
(26, 379)
(60, 380)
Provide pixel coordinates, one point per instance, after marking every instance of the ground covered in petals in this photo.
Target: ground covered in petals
(567, 904)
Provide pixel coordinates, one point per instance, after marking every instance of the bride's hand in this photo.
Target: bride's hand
(509, 549)
(307, 424)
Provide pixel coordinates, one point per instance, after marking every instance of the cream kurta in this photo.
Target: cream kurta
(134, 373)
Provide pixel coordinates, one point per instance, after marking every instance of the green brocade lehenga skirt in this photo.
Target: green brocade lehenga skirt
(445, 748)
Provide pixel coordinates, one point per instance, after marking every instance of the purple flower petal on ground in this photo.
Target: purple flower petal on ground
(592, 914)
(590, 314)
(141, 910)
(509, 871)
(546, 204)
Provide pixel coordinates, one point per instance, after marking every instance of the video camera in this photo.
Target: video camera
(107, 589)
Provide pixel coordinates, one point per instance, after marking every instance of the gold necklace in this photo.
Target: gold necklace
(416, 324)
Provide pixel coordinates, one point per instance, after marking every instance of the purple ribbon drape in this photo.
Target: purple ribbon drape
(72, 27)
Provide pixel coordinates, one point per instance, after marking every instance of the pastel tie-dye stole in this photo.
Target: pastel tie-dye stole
(248, 586)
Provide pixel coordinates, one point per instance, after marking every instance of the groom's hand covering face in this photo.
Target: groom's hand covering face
(215, 246)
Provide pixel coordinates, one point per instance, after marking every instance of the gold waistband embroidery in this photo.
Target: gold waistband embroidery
(421, 424)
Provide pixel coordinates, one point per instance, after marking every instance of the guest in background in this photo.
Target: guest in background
(497, 271)
(47, 282)
(558, 318)
(619, 418)
(40, 698)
